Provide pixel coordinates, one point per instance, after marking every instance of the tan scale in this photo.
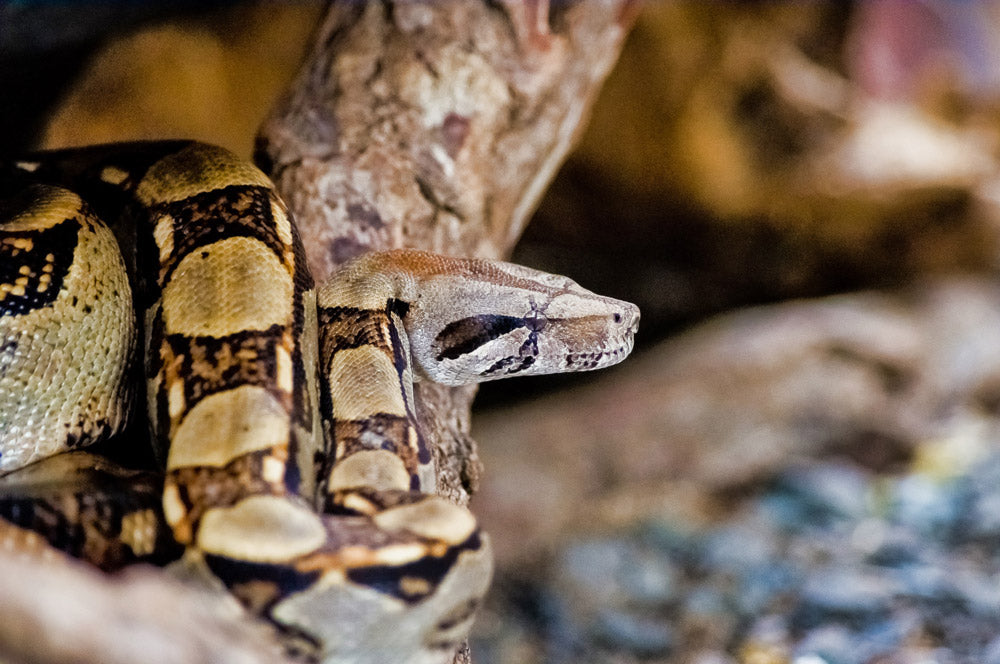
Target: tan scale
(163, 235)
(138, 532)
(281, 221)
(232, 285)
(377, 469)
(194, 170)
(261, 529)
(176, 403)
(114, 175)
(397, 554)
(26, 543)
(433, 519)
(210, 436)
(284, 368)
(175, 512)
(370, 384)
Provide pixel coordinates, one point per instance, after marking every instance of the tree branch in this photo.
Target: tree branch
(436, 126)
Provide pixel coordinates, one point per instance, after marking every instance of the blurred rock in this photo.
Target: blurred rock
(866, 377)
(828, 492)
(646, 636)
(854, 594)
(614, 572)
(803, 483)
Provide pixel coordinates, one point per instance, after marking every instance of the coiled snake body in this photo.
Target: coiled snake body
(283, 415)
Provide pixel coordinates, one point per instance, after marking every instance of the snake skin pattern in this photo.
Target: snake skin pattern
(289, 465)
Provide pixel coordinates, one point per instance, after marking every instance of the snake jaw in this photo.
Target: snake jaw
(478, 320)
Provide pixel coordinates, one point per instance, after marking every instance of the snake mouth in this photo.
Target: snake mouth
(598, 359)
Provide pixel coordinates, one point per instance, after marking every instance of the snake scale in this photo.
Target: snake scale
(292, 471)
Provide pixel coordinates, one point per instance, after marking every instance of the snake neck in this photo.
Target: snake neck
(366, 395)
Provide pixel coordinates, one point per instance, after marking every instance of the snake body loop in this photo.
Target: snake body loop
(293, 471)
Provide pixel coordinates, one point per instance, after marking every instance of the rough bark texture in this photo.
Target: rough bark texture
(432, 126)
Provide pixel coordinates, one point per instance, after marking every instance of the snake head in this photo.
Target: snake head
(500, 319)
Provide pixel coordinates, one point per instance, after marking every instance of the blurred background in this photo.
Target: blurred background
(800, 463)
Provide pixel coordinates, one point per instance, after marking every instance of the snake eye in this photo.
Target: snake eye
(618, 317)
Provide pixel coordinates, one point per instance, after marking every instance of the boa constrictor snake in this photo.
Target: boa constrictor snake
(293, 472)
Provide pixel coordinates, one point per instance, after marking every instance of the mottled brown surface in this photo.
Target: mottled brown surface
(433, 126)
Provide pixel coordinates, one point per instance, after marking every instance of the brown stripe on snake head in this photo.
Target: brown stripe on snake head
(424, 265)
(467, 334)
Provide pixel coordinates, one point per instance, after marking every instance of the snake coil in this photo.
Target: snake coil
(292, 469)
